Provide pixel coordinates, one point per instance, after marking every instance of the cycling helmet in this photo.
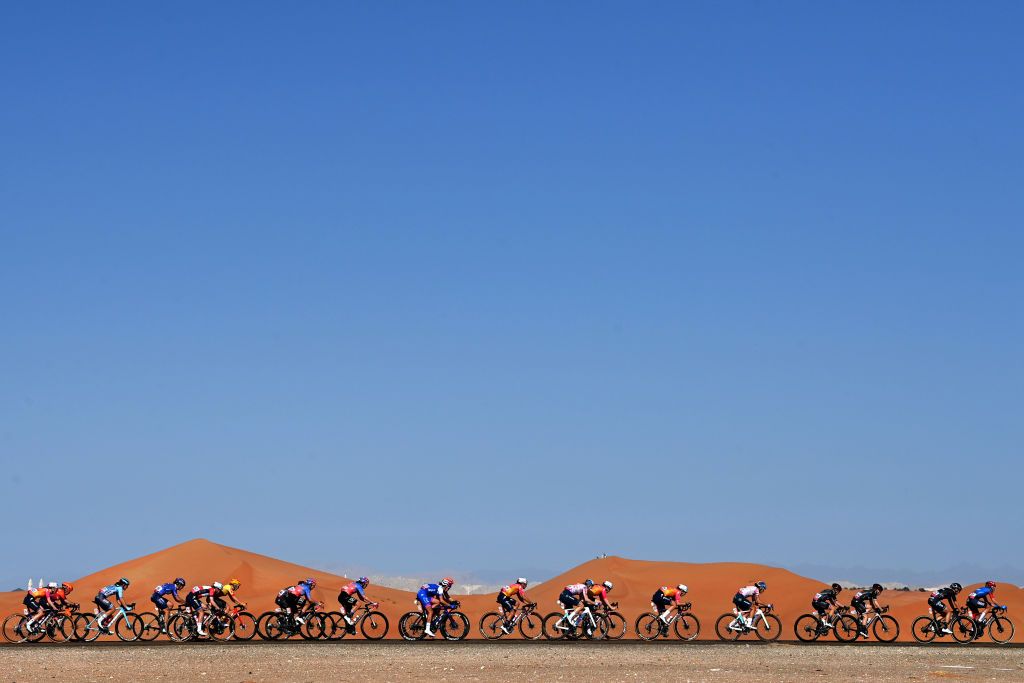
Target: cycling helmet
(877, 588)
(311, 582)
(52, 584)
(588, 583)
(67, 587)
(179, 582)
(837, 588)
(235, 583)
(761, 586)
(447, 582)
(990, 584)
(682, 587)
(955, 587)
(364, 580)
(607, 584)
(522, 582)
(124, 582)
(218, 585)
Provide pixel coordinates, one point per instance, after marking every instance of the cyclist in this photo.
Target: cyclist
(980, 599)
(432, 597)
(507, 597)
(858, 603)
(664, 599)
(228, 591)
(572, 599)
(49, 598)
(349, 595)
(599, 595)
(159, 599)
(199, 599)
(937, 607)
(826, 599)
(746, 602)
(102, 600)
(293, 598)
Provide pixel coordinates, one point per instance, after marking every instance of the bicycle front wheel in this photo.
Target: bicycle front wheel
(886, 628)
(615, 624)
(86, 628)
(455, 626)
(845, 628)
(648, 626)
(923, 629)
(244, 626)
(220, 628)
(374, 625)
(551, 625)
(962, 628)
(1000, 630)
(769, 628)
(722, 629)
(687, 627)
(531, 626)
(807, 628)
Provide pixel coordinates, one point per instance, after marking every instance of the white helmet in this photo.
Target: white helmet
(608, 585)
(52, 584)
(683, 588)
(522, 581)
(218, 585)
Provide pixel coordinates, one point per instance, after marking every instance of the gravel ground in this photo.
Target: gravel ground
(399, 661)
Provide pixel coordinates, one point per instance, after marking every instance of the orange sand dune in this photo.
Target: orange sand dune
(711, 585)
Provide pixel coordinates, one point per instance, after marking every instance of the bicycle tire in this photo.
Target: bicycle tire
(128, 627)
(845, 628)
(261, 622)
(38, 632)
(769, 628)
(648, 626)
(11, 628)
(924, 629)
(150, 626)
(63, 630)
(411, 626)
(334, 626)
(807, 628)
(531, 626)
(722, 629)
(315, 626)
(85, 628)
(270, 626)
(687, 627)
(1000, 629)
(244, 626)
(616, 624)
(455, 626)
(490, 626)
(549, 626)
(962, 628)
(220, 628)
(886, 628)
(374, 625)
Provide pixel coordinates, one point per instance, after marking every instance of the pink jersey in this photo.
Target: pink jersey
(575, 589)
(749, 592)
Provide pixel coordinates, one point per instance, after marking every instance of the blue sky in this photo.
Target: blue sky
(420, 286)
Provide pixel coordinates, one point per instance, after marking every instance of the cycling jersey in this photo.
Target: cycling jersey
(749, 592)
(576, 588)
(166, 589)
(825, 595)
(431, 590)
(114, 589)
(227, 589)
(58, 595)
(942, 594)
(300, 591)
(981, 594)
(39, 593)
(673, 593)
(598, 593)
(354, 588)
(512, 591)
(862, 596)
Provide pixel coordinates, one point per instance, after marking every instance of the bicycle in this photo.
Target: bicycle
(588, 624)
(649, 626)
(811, 626)
(54, 624)
(450, 623)
(530, 625)
(125, 624)
(884, 627)
(615, 623)
(927, 628)
(1000, 628)
(765, 625)
(309, 623)
(373, 624)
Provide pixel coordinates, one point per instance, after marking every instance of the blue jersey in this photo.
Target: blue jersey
(166, 589)
(431, 589)
(982, 592)
(115, 589)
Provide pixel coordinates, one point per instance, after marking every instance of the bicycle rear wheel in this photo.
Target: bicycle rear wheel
(86, 628)
(374, 625)
(962, 628)
(270, 625)
(490, 626)
(11, 628)
(151, 626)
(923, 629)
(1000, 630)
(531, 626)
(220, 628)
(687, 626)
(412, 626)
(769, 628)
(551, 624)
(648, 626)
(807, 628)
(845, 628)
(128, 627)
(886, 628)
(722, 629)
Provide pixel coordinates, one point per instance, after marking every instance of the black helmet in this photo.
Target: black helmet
(877, 588)
(179, 582)
(837, 588)
(588, 583)
(955, 587)
(124, 582)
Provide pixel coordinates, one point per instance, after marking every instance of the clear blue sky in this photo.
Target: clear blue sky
(469, 285)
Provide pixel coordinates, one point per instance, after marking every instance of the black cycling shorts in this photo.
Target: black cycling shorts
(742, 604)
(568, 600)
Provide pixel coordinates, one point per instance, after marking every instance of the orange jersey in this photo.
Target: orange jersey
(598, 593)
(39, 593)
(512, 591)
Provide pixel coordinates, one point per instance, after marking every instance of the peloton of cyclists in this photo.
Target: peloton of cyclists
(432, 598)
(293, 598)
(507, 597)
(41, 600)
(573, 599)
